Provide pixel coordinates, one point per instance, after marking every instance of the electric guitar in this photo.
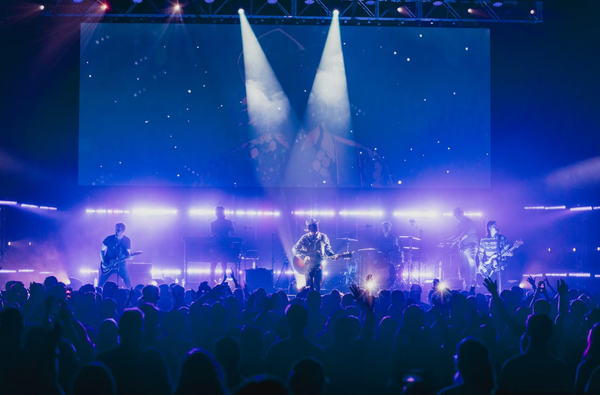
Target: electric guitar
(306, 266)
(112, 264)
(491, 264)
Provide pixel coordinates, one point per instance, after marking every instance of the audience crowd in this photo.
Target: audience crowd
(167, 340)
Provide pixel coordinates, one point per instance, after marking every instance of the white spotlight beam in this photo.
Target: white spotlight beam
(328, 99)
(267, 101)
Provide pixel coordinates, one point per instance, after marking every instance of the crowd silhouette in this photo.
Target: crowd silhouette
(220, 340)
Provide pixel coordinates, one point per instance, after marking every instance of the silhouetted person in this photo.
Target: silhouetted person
(474, 367)
(108, 335)
(227, 353)
(591, 360)
(307, 377)
(263, 385)
(94, 379)
(200, 375)
(156, 377)
(123, 361)
(252, 351)
(174, 346)
(284, 353)
(535, 370)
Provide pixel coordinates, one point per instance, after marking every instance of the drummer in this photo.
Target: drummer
(385, 241)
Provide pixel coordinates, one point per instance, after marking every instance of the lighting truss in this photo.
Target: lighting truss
(356, 12)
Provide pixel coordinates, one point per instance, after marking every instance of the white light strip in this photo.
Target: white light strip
(556, 274)
(105, 211)
(29, 205)
(310, 213)
(468, 214)
(46, 272)
(586, 208)
(165, 272)
(26, 270)
(579, 275)
(7, 203)
(88, 271)
(555, 208)
(207, 212)
(153, 211)
(48, 208)
(7, 271)
(416, 214)
(359, 213)
(535, 208)
(533, 275)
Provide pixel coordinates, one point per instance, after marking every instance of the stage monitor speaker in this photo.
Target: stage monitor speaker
(140, 273)
(259, 278)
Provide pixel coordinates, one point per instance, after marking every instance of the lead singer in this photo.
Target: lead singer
(313, 247)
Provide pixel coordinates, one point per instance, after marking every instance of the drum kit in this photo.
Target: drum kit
(390, 270)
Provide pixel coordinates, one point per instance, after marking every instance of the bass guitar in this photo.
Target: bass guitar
(492, 264)
(305, 266)
(113, 264)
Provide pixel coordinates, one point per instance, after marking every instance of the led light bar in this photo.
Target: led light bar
(415, 214)
(7, 203)
(310, 213)
(359, 213)
(586, 208)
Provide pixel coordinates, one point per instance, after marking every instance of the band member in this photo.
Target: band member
(466, 237)
(116, 247)
(312, 248)
(220, 228)
(493, 243)
(386, 242)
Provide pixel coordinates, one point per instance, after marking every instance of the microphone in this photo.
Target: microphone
(412, 221)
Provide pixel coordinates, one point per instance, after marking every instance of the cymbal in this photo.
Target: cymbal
(409, 248)
(346, 239)
(409, 237)
(368, 249)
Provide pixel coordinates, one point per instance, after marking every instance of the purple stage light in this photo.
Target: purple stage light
(29, 205)
(309, 2)
(272, 1)
(535, 208)
(137, 1)
(207, 211)
(7, 271)
(26, 270)
(80, 1)
(498, 4)
(165, 272)
(556, 274)
(48, 208)
(88, 271)
(555, 208)
(438, 3)
(7, 203)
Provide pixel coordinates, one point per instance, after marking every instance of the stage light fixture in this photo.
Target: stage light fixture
(42, 7)
(241, 11)
(370, 2)
(177, 8)
(272, 1)
(498, 4)
(400, 9)
(137, 1)
(77, 1)
(336, 12)
(470, 10)
(209, 1)
(104, 7)
(438, 3)
(532, 12)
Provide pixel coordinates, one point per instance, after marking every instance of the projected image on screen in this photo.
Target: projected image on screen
(284, 106)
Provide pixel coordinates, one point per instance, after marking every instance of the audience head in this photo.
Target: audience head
(593, 344)
(307, 377)
(131, 327)
(150, 294)
(263, 385)
(200, 373)
(472, 361)
(296, 318)
(94, 379)
(539, 329)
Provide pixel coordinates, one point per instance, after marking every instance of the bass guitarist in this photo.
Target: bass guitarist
(313, 248)
(493, 244)
(115, 250)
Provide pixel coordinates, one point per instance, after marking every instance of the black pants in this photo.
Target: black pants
(314, 279)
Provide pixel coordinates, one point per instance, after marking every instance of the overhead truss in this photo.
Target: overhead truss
(454, 12)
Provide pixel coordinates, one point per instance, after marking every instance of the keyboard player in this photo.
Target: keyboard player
(220, 228)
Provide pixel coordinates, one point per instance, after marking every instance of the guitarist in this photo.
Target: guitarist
(466, 237)
(312, 248)
(494, 243)
(117, 246)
